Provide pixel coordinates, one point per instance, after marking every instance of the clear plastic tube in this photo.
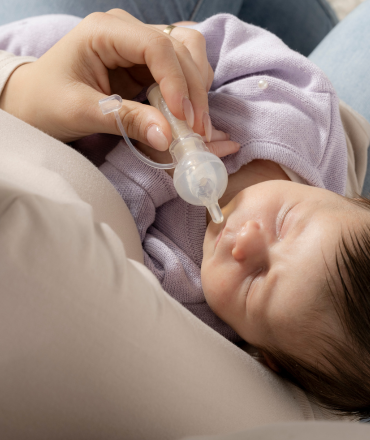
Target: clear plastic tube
(111, 105)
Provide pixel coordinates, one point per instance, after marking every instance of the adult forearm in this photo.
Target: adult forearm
(9, 65)
(12, 97)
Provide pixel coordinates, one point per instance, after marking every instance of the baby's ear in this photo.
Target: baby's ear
(270, 363)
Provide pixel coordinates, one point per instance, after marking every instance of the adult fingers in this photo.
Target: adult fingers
(114, 42)
(190, 38)
(196, 44)
(197, 90)
(123, 42)
(190, 47)
(144, 123)
(211, 75)
(141, 122)
(223, 148)
(171, 65)
(217, 135)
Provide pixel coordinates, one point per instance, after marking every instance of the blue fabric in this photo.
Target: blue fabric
(148, 11)
(344, 55)
(301, 24)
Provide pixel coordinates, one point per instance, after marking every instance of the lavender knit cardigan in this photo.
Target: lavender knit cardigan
(295, 122)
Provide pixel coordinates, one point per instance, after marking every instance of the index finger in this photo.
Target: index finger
(195, 42)
(168, 60)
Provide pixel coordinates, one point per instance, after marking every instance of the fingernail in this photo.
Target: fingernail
(220, 135)
(207, 126)
(188, 111)
(156, 138)
(227, 135)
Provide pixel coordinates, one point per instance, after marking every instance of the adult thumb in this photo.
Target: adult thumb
(141, 122)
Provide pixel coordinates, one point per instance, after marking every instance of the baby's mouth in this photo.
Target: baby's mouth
(219, 236)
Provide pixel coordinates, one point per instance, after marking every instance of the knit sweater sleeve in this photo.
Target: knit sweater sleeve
(33, 36)
(293, 119)
(171, 231)
(26, 40)
(143, 188)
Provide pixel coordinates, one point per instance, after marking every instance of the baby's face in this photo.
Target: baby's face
(264, 267)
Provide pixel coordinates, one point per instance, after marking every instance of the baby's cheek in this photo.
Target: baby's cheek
(215, 291)
(283, 326)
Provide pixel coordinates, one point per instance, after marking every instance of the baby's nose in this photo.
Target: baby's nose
(251, 243)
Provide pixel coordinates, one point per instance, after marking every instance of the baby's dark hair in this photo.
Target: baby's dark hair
(346, 389)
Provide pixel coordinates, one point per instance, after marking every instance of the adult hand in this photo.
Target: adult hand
(196, 45)
(110, 53)
(219, 144)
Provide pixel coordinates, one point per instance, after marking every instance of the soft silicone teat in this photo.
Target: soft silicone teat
(205, 190)
(216, 214)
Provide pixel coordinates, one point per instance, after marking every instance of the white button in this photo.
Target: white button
(262, 84)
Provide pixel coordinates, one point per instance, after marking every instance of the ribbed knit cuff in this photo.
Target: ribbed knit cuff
(8, 63)
(157, 183)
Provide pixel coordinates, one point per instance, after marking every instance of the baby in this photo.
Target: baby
(286, 271)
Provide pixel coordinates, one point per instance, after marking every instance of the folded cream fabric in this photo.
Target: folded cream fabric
(298, 431)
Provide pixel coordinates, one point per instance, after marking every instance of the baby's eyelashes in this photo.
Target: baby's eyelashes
(280, 221)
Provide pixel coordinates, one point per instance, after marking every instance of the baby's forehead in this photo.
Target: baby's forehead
(345, 221)
(354, 222)
(354, 206)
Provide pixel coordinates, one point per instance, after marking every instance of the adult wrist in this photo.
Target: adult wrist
(13, 97)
